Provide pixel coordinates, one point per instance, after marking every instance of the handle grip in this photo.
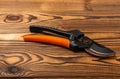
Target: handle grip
(48, 39)
(39, 29)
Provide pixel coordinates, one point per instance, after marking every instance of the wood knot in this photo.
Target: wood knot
(58, 17)
(31, 17)
(13, 69)
(88, 6)
(13, 18)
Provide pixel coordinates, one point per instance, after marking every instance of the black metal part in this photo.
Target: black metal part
(75, 34)
(77, 41)
(81, 43)
(100, 50)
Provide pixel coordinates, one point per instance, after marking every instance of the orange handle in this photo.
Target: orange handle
(48, 39)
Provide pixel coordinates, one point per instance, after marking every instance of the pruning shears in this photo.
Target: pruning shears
(74, 40)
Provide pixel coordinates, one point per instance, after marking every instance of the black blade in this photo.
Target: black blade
(100, 50)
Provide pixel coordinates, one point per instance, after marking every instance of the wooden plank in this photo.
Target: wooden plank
(36, 61)
(71, 6)
(83, 23)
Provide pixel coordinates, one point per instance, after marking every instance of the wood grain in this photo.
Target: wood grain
(98, 19)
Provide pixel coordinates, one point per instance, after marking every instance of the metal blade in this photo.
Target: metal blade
(100, 50)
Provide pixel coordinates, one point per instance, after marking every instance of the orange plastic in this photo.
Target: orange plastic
(48, 39)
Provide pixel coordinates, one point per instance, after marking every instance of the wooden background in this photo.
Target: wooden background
(98, 19)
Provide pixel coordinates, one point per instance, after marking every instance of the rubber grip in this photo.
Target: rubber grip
(48, 39)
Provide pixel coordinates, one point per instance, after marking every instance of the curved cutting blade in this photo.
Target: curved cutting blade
(99, 50)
